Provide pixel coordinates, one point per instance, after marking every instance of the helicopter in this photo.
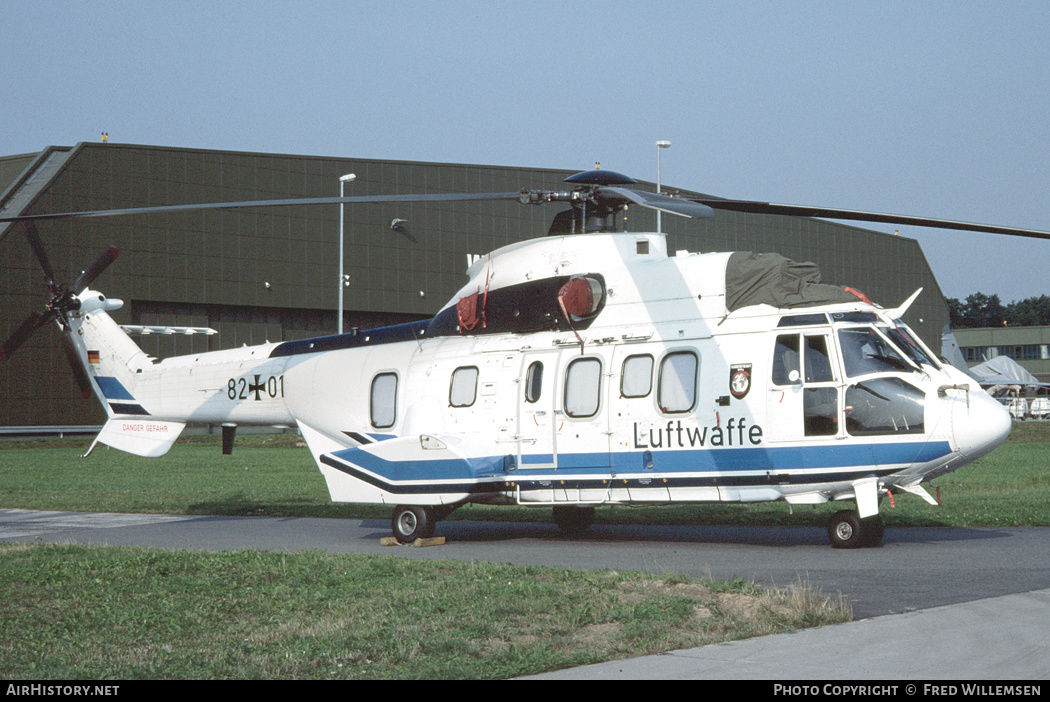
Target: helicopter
(589, 367)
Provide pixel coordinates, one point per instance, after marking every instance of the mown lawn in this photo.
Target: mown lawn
(275, 476)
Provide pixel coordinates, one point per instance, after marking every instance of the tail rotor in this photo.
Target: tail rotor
(64, 301)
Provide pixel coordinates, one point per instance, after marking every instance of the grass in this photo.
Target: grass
(275, 476)
(76, 612)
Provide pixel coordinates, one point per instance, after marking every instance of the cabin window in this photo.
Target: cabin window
(533, 381)
(464, 387)
(884, 406)
(677, 389)
(383, 407)
(583, 387)
(637, 377)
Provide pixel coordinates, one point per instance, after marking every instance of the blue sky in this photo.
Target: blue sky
(927, 108)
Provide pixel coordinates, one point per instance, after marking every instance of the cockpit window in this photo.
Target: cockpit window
(801, 320)
(884, 406)
(785, 360)
(817, 362)
(864, 352)
(854, 317)
(906, 342)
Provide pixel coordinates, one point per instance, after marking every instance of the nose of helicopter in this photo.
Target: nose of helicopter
(979, 424)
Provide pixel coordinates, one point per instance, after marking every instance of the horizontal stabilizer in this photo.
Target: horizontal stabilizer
(146, 330)
(142, 437)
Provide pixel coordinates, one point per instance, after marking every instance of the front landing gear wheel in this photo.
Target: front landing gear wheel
(573, 521)
(411, 523)
(847, 530)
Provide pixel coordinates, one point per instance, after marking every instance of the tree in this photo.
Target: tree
(956, 315)
(982, 310)
(1031, 311)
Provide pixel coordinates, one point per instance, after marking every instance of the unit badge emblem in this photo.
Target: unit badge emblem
(740, 380)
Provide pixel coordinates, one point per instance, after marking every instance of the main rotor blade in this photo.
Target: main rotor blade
(655, 201)
(24, 331)
(38, 251)
(358, 199)
(857, 215)
(97, 266)
(82, 378)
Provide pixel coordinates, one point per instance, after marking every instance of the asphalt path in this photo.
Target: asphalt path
(914, 569)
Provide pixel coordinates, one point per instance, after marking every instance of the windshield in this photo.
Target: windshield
(865, 351)
(908, 343)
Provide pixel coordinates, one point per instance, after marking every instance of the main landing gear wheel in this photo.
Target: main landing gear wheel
(573, 521)
(847, 530)
(411, 523)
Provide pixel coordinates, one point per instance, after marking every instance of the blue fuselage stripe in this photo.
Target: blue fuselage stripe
(112, 388)
(743, 466)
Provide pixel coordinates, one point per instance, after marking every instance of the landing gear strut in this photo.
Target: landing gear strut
(847, 530)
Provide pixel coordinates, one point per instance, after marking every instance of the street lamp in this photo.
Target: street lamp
(659, 146)
(343, 180)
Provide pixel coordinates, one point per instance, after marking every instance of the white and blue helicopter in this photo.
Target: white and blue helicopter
(570, 372)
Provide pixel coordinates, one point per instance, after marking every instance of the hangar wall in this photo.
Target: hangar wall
(271, 274)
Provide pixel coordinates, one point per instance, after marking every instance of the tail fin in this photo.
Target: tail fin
(115, 363)
(108, 354)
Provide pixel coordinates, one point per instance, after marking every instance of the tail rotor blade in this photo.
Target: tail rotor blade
(82, 378)
(97, 266)
(22, 334)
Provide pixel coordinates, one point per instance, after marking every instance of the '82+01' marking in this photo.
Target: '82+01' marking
(243, 389)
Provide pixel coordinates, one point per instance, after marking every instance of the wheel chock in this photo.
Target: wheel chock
(418, 543)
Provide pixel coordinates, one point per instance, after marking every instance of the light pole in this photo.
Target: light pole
(343, 180)
(659, 146)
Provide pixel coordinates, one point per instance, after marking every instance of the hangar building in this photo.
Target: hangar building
(1029, 346)
(271, 274)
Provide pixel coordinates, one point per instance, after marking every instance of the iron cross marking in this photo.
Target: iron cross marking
(257, 388)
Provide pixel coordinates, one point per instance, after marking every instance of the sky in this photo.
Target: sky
(933, 108)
